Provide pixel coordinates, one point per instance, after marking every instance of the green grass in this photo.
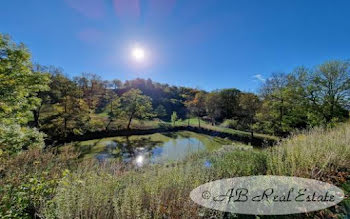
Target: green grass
(207, 125)
(156, 123)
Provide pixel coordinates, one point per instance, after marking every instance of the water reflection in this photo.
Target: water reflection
(139, 160)
(207, 163)
(143, 151)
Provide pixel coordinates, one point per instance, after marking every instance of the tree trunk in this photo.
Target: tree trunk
(199, 122)
(128, 127)
(110, 121)
(129, 123)
(65, 118)
(36, 114)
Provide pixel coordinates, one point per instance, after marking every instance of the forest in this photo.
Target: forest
(42, 103)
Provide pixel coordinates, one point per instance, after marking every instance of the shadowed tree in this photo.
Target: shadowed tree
(212, 105)
(114, 110)
(160, 111)
(249, 104)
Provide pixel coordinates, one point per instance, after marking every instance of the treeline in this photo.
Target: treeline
(301, 99)
(35, 97)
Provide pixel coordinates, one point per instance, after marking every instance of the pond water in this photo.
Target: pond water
(155, 148)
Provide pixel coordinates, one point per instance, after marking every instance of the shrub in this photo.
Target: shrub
(85, 195)
(240, 163)
(14, 138)
(28, 181)
(230, 123)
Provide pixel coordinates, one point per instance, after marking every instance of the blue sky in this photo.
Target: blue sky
(198, 43)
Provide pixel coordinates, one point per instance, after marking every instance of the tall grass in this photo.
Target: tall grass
(313, 153)
(162, 191)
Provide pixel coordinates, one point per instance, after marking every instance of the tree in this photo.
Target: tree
(331, 89)
(249, 104)
(274, 107)
(173, 118)
(68, 111)
(160, 111)
(197, 106)
(93, 89)
(114, 110)
(229, 103)
(116, 84)
(19, 86)
(136, 105)
(212, 104)
(42, 94)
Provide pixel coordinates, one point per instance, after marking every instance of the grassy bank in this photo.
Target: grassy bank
(157, 126)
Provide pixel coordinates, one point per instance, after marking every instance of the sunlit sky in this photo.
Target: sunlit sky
(206, 44)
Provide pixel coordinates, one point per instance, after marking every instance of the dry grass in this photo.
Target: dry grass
(312, 153)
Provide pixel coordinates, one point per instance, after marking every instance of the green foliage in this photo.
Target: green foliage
(305, 98)
(18, 83)
(68, 113)
(114, 109)
(14, 138)
(212, 105)
(160, 111)
(230, 123)
(229, 103)
(196, 106)
(136, 105)
(19, 86)
(85, 194)
(28, 181)
(173, 118)
(240, 163)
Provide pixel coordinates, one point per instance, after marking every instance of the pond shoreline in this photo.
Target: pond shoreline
(255, 141)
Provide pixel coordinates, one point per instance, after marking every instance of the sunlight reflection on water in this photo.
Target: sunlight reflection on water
(172, 150)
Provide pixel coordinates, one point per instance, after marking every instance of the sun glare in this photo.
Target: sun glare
(138, 54)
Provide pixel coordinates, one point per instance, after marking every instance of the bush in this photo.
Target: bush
(230, 123)
(28, 181)
(85, 195)
(240, 163)
(14, 138)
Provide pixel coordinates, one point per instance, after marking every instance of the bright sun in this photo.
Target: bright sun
(138, 54)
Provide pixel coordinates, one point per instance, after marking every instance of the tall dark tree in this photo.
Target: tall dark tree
(249, 104)
(229, 103)
(212, 105)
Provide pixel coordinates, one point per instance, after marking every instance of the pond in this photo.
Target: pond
(148, 149)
